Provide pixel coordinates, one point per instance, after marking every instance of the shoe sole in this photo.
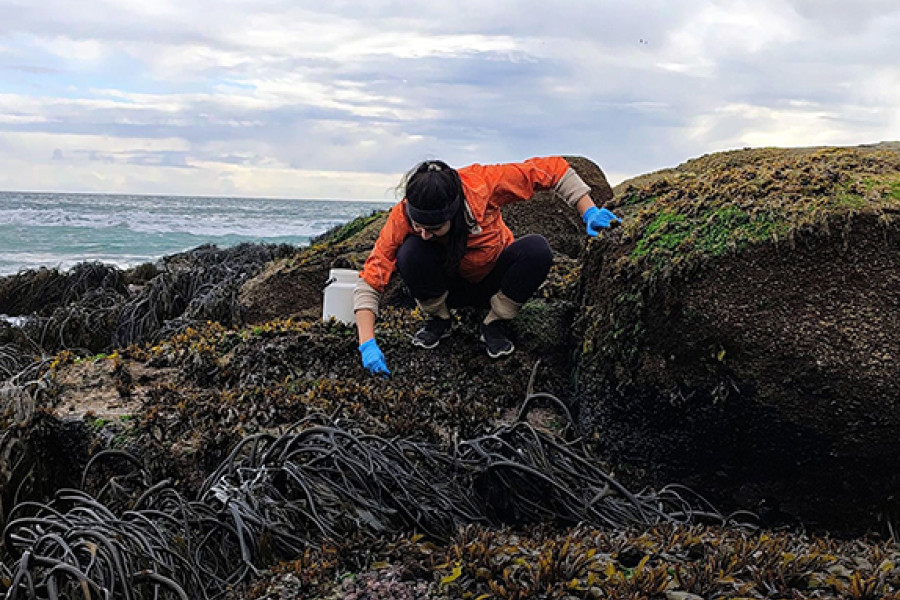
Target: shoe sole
(500, 353)
(421, 344)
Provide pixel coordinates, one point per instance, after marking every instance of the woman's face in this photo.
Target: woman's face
(426, 232)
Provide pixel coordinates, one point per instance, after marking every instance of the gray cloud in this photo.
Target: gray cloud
(269, 87)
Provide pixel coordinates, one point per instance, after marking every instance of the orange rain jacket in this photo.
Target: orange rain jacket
(486, 189)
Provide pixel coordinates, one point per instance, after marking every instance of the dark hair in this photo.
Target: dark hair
(435, 186)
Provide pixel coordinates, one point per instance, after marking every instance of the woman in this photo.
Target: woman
(448, 241)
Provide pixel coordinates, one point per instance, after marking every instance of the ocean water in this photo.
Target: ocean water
(60, 230)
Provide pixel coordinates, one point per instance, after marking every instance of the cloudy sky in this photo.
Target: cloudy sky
(335, 99)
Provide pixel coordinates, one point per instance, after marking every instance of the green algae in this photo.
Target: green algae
(671, 235)
(666, 232)
(894, 190)
(346, 231)
(723, 203)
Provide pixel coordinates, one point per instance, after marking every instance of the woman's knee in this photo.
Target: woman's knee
(530, 258)
(538, 251)
(420, 265)
(415, 255)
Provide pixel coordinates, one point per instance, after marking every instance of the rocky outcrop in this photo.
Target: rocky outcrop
(742, 332)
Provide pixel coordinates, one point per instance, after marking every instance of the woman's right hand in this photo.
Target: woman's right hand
(373, 358)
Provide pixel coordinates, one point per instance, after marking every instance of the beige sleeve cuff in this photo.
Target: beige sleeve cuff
(365, 296)
(571, 188)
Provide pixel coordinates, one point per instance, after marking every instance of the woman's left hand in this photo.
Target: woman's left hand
(598, 218)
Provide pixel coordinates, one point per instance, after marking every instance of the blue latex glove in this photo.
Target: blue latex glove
(373, 358)
(597, 219)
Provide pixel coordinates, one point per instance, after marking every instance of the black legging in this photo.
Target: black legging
(519, 271)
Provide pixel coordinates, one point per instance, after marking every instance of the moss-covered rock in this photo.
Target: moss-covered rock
(742, 330)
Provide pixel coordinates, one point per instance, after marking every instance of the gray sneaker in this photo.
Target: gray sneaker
(434, 330)
(494, 337)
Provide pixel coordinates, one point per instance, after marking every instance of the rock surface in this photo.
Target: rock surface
(745, 329)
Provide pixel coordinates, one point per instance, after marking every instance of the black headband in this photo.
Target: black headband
(435, 216)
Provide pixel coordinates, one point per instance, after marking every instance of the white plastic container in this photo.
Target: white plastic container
(338, 302)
